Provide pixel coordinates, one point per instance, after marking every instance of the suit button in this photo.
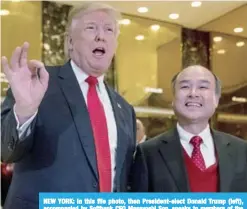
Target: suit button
(95, 184)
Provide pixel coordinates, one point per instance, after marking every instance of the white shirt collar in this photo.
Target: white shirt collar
(81, 76)
(186, 136)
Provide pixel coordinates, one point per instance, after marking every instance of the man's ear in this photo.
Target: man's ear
(216, 101)
(70, 43)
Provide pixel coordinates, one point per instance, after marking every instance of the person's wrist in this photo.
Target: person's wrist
(24, 113)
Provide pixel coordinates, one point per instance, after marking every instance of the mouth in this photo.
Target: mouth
(99, 52)
(193, 104)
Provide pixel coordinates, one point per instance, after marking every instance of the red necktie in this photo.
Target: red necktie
(197, 157)
(100, 132)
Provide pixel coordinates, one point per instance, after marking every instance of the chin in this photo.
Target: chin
(190, 116)
(195, 118)
(100, 66)
(99, 71)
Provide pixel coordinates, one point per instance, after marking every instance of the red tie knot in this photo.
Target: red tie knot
(92, 81)
(196, 141)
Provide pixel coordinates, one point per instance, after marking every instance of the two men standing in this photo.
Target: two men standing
(68, 131)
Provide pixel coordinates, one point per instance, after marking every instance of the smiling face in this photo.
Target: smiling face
(93, 41)
(195, 99)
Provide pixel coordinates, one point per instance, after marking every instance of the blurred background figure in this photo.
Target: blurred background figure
(140, 132)
(6, 176)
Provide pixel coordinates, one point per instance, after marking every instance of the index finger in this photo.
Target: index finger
(15, 58)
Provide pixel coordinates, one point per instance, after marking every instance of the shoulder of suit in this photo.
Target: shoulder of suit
(232, 139)
(120, 98)
(53, 70)
(156, 141)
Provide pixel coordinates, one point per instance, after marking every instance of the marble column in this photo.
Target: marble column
(195, 48)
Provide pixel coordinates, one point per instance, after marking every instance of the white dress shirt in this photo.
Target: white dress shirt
(81, 76)
(207, 146)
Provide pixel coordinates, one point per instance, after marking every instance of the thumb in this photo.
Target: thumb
(37, 68)
(33, 65)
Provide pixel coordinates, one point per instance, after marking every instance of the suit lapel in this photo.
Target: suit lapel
(122, 133)
(225, 159)
(78, 108)
(171, 151)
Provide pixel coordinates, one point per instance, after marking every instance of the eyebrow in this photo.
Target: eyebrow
(205, 81)
(94, 22)
(183, 81)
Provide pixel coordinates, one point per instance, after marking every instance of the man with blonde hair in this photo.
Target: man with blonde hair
(65, 129)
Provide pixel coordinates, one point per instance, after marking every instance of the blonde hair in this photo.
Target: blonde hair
(85, 8)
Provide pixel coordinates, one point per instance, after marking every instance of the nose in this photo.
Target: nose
(193, 93)
(100, 35)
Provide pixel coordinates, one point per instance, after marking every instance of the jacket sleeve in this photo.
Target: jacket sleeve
(13, 148)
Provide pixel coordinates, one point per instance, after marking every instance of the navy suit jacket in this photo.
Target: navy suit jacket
(59, 154)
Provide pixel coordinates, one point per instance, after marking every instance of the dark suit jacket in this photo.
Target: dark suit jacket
(59, 154)
(159, 165)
